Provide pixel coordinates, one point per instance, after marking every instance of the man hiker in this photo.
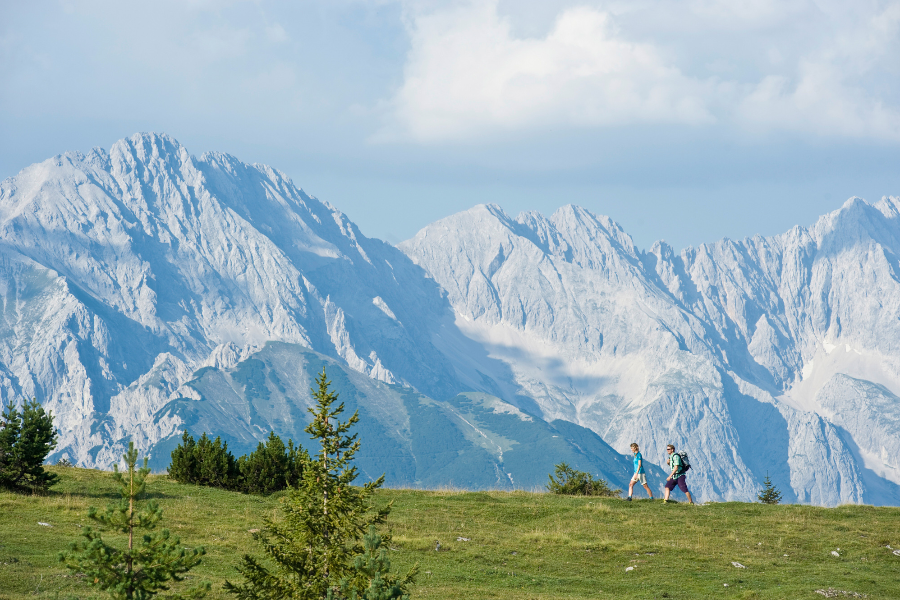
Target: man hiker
(639, 474)
(677, 476)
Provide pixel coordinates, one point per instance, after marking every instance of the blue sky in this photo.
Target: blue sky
(684, 120)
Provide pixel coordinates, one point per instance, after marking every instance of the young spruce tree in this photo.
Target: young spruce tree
(150, 562)
(312, 551)
(769, 494)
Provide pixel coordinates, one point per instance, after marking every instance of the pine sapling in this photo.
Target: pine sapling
(148, 564)
(769, 494)
(311, 551)
(373, 574)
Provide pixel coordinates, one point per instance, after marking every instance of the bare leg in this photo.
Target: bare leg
(668, 491)
(688, 494)
(649, 493)
(631, 488)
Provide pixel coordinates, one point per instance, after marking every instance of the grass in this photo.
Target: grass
(521, 545)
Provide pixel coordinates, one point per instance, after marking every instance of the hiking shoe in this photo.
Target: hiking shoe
(665, 501)
(628, 498)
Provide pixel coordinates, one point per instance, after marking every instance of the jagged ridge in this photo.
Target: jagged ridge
(123, 273)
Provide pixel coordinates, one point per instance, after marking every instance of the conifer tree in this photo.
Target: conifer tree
(769, 494)
(26, 438)
(373, 571)
(272, 467)
(150, 561)
(311, 550)
(215, 465)
(183, 467)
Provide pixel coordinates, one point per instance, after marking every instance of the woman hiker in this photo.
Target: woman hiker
(639, 474)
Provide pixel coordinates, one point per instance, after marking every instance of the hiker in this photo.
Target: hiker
(639, 474)
(677, 476)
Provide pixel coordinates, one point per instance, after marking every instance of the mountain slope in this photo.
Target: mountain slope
(472, 440)
(145, 290)
(717, 349)
(114, 263)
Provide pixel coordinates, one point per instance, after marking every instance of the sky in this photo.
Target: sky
(683, 120)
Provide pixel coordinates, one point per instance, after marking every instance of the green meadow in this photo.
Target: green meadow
(518, 545)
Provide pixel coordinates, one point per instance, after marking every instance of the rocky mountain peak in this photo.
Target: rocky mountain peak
(144, 290)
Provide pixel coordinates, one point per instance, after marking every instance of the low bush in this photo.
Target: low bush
(570, 482)
(204, 462)
(270, 468)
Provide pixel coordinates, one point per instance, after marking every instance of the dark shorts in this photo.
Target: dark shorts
(681, 482)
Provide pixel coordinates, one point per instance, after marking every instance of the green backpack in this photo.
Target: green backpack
(685, 463)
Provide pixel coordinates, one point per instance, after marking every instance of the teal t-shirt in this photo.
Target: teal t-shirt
(638, 465)
(675, 461)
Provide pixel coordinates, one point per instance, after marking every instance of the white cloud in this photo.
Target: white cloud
(837, 88)
(466, 73)
(794, 65)
(748, 13)
(818, 103)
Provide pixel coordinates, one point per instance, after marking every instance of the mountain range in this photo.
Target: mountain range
(145, 291)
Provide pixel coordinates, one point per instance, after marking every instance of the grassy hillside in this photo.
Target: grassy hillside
(520, 545)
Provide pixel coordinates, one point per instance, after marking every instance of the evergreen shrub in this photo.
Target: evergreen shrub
(26, 438)
(270, 468)
(570, 482)
(204, 462)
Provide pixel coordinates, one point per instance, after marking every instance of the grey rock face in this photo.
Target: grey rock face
(128, 276)
(123, 272)
(723, 350)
